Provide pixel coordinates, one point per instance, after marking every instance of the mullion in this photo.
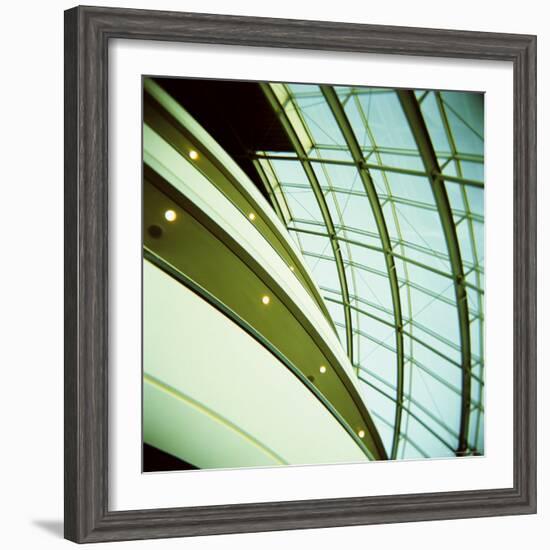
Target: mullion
(471, 233)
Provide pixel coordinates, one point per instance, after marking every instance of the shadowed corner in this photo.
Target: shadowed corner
(52, 526)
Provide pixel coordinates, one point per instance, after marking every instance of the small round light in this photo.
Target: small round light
(170, 215)
(361, 434)
(291, 268)
(265, 300)
(322, 369)
(251, 216)
(193, 155)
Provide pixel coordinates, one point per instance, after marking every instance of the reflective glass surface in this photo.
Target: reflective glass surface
(388, 212)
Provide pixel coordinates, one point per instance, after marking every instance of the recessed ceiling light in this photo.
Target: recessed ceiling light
(322, 369)
(265, 300)
(291, 268)
(251, 216)
(193, 155)
(361, 434)
(170, 215)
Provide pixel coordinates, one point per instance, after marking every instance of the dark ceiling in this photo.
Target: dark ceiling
(235, 113)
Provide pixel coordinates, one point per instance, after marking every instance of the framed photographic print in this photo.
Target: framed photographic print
(300, 274)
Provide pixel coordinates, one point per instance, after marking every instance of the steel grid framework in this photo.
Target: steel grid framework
(392, 183)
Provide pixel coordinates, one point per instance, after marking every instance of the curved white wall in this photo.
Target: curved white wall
(218, 399)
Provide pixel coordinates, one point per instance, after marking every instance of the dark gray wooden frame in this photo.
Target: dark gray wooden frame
(87, 34)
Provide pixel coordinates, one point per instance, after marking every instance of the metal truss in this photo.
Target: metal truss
(312, 178)
(421, 135)
(419, 161)
(370, 190)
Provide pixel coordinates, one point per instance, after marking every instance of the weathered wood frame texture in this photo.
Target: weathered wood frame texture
(87, 34)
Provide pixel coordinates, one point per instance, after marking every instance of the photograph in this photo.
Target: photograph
(275, 275)
(313, 274)
(278, 310)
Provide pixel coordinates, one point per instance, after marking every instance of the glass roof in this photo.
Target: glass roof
(384, 196)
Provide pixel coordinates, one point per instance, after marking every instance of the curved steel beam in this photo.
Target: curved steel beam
(396, 242)
(325, 213)
(406, 259)
(455, 156)
(378, 167)
(419, 130)
(355, 149)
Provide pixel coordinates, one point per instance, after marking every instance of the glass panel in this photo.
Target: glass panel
(436, 127)
(386, 120)
(318, 119)
(302, 205)
(423, 271)
(413, 188)
(337, 176)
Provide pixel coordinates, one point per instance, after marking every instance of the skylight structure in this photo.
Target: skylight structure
(383, 194)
